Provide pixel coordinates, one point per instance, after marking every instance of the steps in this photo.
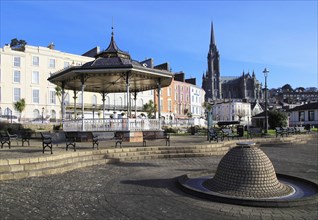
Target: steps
(53, 164)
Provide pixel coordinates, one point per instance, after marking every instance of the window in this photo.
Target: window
(35, 61)
(94, 100)
(169, 105)
(169, 91)
(16, 94)
(302, 116)
(35, 77)
(52, 97)
(36, 96)
(161, 104)
(17, 62)
(16, 76)
(36, 113)
(66, 64)
(53, 114)
(311, 115)
(52, 63)
(175, 98)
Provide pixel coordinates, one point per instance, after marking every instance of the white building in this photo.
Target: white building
(232, 111)
(304, 115)
(23, 74)
(196, 101)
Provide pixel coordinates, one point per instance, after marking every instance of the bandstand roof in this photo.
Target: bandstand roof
(108, 73)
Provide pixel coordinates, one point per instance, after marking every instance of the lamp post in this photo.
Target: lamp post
(266, 71)
(42, 114)
(94, 106)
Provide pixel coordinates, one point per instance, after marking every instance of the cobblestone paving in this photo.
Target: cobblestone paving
(146, 190)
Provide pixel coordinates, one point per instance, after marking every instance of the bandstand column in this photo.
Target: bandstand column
(83, 86)
(135, 98)
(63, 103)
(159, 102)
(127, 89)
(75, 97)
(103, 100)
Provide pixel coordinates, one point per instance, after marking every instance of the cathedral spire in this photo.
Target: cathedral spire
(212, 40)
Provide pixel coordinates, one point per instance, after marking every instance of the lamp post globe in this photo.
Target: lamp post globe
(266, 71)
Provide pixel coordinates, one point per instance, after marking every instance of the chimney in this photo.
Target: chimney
(51, 46)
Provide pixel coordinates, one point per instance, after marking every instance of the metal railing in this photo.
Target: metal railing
(127, 124)
(112, 125)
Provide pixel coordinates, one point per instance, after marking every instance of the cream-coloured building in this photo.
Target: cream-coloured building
(23, 74)
(232, 111)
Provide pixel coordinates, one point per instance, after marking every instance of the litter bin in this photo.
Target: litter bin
(240, 130)
(193, 130)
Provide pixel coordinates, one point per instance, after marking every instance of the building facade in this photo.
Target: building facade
(23, 75)
(304, 115)
(232, 111)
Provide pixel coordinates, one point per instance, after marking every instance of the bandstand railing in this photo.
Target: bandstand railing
(123, 124)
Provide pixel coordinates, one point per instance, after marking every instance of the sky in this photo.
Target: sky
(250, 35)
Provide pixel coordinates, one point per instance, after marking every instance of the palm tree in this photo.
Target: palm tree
(150, 108)
(20, 106)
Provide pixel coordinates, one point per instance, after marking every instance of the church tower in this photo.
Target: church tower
(211, 81)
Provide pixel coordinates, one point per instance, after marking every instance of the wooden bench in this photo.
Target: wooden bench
(6, 138)
(291, 130)
(252, 132)
(71, 137)
(281, 131)
(229, 133)
(301, 130)
(49, 139)
(214, 135)
(107, 136)
(155, 135)
(25, 135)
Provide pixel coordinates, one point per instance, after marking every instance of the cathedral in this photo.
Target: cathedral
(245, 87)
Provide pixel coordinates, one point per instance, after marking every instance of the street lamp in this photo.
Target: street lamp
(266, 71)
(42, 114)
(94, 106)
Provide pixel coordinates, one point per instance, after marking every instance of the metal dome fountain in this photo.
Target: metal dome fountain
(246, 176)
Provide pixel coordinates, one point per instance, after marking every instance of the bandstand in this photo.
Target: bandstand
(112, 71)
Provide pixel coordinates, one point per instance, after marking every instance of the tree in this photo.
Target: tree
(18, 44)
(19, 106)
(150, 108)
(300, 89)
(311, 89)
(58, 93)
(277, 119)
(287, 88)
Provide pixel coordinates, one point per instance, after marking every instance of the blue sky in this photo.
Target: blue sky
(250, 35)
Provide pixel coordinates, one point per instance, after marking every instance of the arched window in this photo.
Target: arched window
(94, 100)
(141, 101)
(120, 101)
(79, 99)
(53, 114)
(36, 113)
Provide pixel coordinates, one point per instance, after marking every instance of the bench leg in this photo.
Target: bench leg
(95, 143)
(119, 143)
(49, 146)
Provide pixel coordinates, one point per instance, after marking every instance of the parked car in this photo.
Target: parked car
(9, 118)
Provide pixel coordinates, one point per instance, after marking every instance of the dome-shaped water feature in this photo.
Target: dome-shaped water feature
(246, 171)
(246, 176)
